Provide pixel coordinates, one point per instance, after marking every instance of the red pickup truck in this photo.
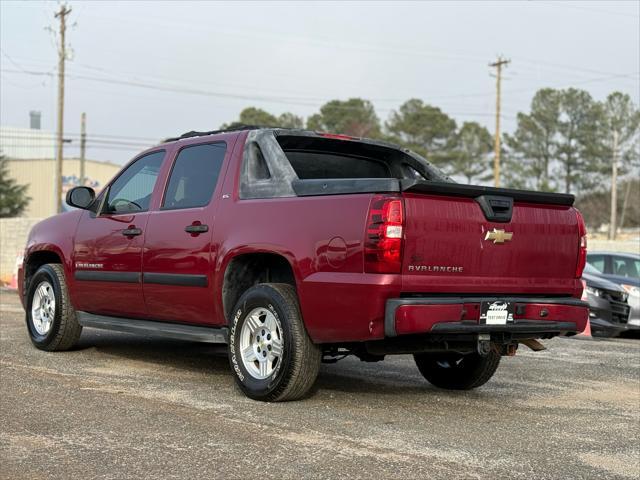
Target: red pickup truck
(297, 247)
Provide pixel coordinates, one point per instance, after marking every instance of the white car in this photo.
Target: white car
(624, 270)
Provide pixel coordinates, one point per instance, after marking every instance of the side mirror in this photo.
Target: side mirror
(81, 197)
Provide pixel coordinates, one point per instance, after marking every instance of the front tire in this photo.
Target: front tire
(51, 319)
(270, 352)
(458, 372)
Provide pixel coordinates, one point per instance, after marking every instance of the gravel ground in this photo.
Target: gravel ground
(124, 406)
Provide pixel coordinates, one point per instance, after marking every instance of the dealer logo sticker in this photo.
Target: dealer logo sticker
(496, 313)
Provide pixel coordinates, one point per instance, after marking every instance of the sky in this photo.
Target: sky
(143, 71)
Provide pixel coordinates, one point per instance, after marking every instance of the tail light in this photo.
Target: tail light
(336, 136)
(383, 242)
(582, 246)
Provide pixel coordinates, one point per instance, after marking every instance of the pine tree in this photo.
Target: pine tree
(470, 157)
(13, 197)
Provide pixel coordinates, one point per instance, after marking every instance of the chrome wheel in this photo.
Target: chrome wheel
(43, 308)
(261, 343)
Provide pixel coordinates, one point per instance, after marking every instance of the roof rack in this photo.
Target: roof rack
(235, 128)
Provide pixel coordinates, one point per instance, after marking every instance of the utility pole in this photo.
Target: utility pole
(625, 203)
(83, 145)
(614, 187)
(62, 55)
(498, 64)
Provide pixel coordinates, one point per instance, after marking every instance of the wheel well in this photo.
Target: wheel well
(245, 271)
(35, 261)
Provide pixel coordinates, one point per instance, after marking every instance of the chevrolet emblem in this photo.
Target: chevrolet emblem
(498, 236)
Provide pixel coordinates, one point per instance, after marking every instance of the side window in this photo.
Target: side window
(626, 267)
(131, 192)
(411, 173)
(597, 262)
(194, 176)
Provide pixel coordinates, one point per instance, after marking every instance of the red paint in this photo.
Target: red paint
(99, 241)
(447, 231)
(421, 318)
(169, 248)
(53, 235)
(323, 240)
(556, 313)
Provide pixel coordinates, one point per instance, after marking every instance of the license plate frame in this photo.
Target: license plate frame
(497, 312)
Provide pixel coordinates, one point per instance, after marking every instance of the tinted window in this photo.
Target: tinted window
(194, 176)
(329, 165)
(319, 157)
(131, 192)
(412, 173)
(597, 262)
(626, 267)
(588, 268)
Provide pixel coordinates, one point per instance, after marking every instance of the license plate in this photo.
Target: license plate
(496, 313)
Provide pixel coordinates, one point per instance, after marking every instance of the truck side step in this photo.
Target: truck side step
(176, 331)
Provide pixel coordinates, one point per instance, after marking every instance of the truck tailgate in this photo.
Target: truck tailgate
(447, 248)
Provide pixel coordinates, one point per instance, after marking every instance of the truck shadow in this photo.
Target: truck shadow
(189, 356)
(348, 376)
(341, 379)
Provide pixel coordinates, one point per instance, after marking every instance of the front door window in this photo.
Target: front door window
(131, 192)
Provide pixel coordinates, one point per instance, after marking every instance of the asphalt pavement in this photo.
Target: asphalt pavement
(122, 406)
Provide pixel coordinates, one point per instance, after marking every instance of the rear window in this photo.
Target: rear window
(309, 165)
(314, 157)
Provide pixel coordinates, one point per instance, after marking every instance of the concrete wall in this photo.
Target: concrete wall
(13, 238)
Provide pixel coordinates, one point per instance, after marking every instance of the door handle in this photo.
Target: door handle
(196, 229)
(131, 232)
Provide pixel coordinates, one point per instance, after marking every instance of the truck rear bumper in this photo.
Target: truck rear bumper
(461, 315)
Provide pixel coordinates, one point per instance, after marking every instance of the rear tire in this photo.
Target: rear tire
(458, 372)
(51, 319)
(270, 352)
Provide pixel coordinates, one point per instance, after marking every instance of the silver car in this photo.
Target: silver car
(624, 270)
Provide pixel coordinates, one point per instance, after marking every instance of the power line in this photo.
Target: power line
(326, 42)
(292, 100)
(69, 141)
(360, 46)
(110, 136)
(313, 102)
(29, 135)
(13, 62)
(534, 66)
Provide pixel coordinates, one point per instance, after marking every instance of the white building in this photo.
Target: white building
(27, 143)
(30, 155)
